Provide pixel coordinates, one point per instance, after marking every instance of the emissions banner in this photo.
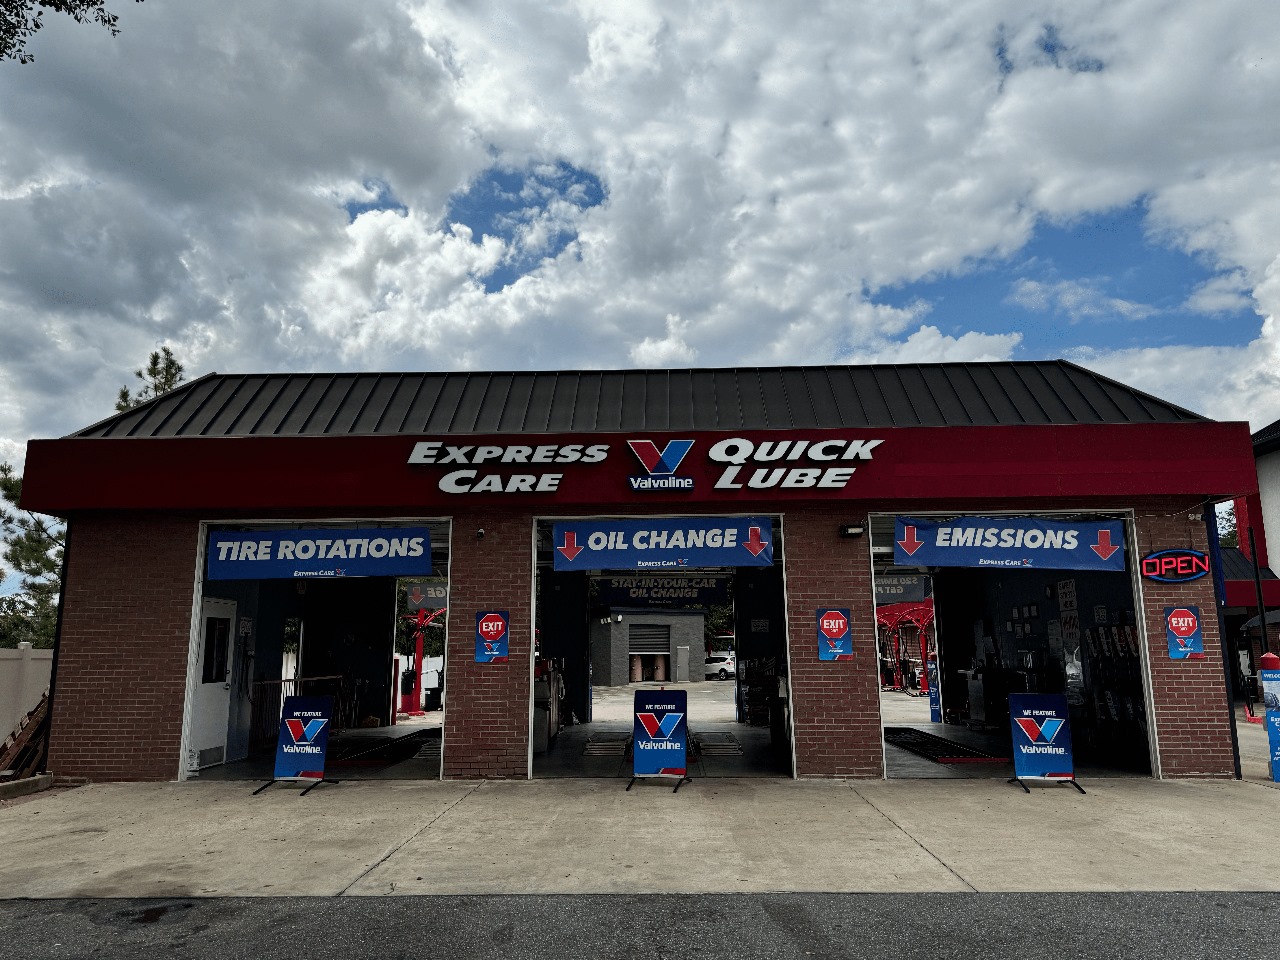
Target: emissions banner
(660, 733)
(304, 738)
(1021, 542)
(286, 554)
(1041, 736)
(672, 543)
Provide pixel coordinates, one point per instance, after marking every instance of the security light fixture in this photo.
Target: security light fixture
(851, 530)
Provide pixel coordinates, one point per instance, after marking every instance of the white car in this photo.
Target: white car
(721, 666)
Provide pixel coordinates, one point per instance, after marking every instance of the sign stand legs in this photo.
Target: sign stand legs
(679, 782)
(310, 787)
(1056, 780)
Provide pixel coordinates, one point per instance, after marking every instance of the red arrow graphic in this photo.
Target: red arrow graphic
(570, 548)
(909, 543)
(754, 543)
(1104, 547)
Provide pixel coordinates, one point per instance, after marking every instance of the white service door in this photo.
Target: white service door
(213, 692)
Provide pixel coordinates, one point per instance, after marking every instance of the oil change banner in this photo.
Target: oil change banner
(660, 733)
(289, 554)
(304, 738)
(1041, 736)
(1021, 542)
(668, 543)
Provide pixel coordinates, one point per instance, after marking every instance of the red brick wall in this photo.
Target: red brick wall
(835, 705)
(486, 717)
(1189, 696)
(122, 659)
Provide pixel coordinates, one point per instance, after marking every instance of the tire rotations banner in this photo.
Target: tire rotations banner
(325, 552)
(304, 738)
(670, 543)
(660, 733)
(1018, 542)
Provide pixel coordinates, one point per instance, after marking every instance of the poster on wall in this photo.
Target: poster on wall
(1270, 681)
(1041, 729)
(835, 639)
(492, 631)
(1182, 628)
(659, 735)
(1067, 595)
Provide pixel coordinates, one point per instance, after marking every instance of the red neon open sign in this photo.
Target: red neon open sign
(1175, 566)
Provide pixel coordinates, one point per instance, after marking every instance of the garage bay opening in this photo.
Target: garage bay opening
(973, 610)
(351, 611)
(626, 605)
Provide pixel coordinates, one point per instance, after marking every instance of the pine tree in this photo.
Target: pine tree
(33, 546)
(162, 373)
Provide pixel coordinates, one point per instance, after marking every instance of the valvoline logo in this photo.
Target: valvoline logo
(660, 465)
(659, 729)
(304, 732)
(1043, 732)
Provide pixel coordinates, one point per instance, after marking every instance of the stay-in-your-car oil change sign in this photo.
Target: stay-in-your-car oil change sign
(1021, 542)
(669, 543)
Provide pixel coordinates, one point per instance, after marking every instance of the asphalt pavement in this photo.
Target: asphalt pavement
(1141, 926)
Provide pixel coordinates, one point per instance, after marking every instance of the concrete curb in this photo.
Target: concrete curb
(20, 788)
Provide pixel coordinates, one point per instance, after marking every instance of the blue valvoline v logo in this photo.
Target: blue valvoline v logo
(1042, 732)
(304, 732)
(660, 465)
(659, 729)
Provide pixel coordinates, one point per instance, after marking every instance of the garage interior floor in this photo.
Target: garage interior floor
(899, 709)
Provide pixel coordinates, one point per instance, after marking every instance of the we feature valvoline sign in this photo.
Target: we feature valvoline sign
(1017, 542)
(290, 554)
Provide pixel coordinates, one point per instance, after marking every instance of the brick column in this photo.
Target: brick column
(486, 717)
(1189, 696)
(122, 658)
(835, 706)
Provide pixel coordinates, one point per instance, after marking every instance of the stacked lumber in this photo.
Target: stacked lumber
(23, 749)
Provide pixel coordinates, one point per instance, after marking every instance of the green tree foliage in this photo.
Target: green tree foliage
(1228, 536)
(20, 20)
(33, 547)
(162, 373)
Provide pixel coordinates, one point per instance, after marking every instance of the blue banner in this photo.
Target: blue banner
(1017, 542)
(1182, 630)
(304, 738)
(493, 629)
(660, 733)
(1270, 682)
(835, 640)
(288, 554)
(935, 692)
(1041, 736)
(663, 543)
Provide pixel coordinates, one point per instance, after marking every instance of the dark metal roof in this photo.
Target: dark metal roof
(1267, 439)
(610, 401)
(1236, 566)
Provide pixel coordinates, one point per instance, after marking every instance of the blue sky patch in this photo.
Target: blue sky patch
(383, 199)
(1099, 282)
(531, 209)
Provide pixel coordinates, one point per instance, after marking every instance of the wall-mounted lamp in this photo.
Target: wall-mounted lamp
(617, 617)
(480, 534)
(852, 530)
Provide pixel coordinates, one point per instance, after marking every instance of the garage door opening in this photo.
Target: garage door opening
(717, 633)
(342, 633)
(955, 642)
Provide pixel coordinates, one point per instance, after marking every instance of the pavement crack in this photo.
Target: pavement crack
(946, 866)
(409, 839)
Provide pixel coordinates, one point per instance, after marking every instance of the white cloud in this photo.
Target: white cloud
(1076, 299)
(1225, 293)
(768, 169)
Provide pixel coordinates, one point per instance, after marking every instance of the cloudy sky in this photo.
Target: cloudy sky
(491, 185)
